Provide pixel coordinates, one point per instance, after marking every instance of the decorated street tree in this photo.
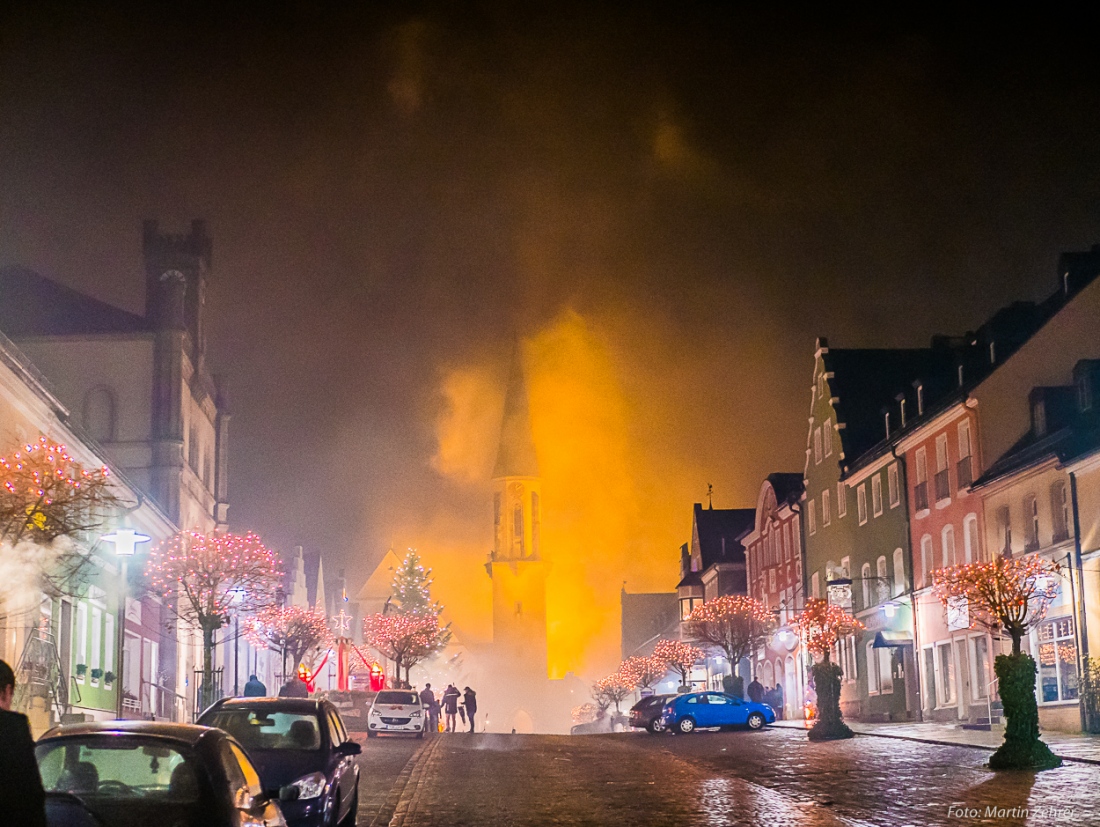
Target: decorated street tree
(821, 626)
(205, 579)
(643, 671)
(679, 656)
(293, 630)
(411, 588)
(406, 639)
(734, 625)
(586, 713)
(612, 689)
(1008, 596)
(49, 504)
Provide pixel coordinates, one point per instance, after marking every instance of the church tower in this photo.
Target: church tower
(515, 564)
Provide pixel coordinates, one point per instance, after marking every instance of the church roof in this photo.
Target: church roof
(516, 450)
(33, 305)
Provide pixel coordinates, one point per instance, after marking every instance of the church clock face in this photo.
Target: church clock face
(516, 489)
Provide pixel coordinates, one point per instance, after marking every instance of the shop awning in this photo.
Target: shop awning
(884, 640)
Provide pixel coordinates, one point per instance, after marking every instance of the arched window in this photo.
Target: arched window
(865, 576)
(1031, 515)
(899, 572)
(926, 563)
(517, 530)
(99, 414)
(971, 546)
(536, 523)
(882, 589)
(1059, 509)
(948, 541)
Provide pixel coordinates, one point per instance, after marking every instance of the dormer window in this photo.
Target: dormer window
(1039, 418)
(920, 397)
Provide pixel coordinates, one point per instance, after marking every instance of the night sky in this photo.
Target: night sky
(663, 205)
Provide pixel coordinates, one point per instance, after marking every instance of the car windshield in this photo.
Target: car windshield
(113, 766)
(392, 697)
(261, 729)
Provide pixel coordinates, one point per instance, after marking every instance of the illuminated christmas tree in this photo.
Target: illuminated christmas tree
(411, 589)
(405, 639)
(293, 630)
(679, 656)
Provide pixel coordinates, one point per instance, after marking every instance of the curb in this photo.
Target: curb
(406, 792)
(387, 814)
(937, 742)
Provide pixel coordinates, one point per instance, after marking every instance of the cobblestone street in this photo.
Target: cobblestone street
(775, 778)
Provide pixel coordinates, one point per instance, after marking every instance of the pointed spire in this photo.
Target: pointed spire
(516, 451)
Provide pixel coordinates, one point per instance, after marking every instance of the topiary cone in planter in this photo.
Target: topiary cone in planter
(1022, 749)
(830, 724)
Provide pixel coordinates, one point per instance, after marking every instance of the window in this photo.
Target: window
(941, 453)
(846, 567)
(943, 483)
(899, 572)
(920, 487)
(687, 606)
(872, 670)
(926, 562)
(841, 500)
(771, 581)
(1004, 529)
(929, 676)
(1059, 509)
(97, 639)
(1057, 661)
(1031, 512)
(892, 485)
(828, 437)
(796, 539)
(496, 509)
(536, 523)
(787, 541)
(945, 674)
(965, 468)
(882, 588)
(861, 504)
(80, 656)
(109, 637)
(815, 585)
(970, 539)
(876, 494)
(826, 516)
(817, 445)
(517, 530)
(880, 678)
(947, 539)
(865, 578)
(812, 516)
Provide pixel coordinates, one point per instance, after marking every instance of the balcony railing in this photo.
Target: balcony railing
(943, 485)
(965, 471)
(920, 494)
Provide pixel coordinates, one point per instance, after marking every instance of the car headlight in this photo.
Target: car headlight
(309, 786)
(415, 713)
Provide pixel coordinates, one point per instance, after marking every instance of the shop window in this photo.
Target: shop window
(945, 673)
(1057, 661)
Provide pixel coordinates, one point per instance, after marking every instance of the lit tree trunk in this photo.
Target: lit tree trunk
(207, 691)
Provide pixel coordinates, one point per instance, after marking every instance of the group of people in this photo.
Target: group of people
(450, 705)
(772, 696)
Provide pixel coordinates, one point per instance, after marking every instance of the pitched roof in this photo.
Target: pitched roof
(720, 532)
(33, 305)
(516, 450)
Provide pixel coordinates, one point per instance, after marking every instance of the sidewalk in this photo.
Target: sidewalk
(1069, 746)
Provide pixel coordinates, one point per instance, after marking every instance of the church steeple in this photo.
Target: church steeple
(516, 450)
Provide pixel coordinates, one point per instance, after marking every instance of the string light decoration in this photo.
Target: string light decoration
(735, 625)
(677, 655)
(643, 671)
(584, 714)
(406, 639)
(612, 689)
(46, 495)
(293, 630)
(1003, 594)
(822, 624)
(205, 579)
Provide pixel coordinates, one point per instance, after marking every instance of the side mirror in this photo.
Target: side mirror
(350, 748)
(289, 793)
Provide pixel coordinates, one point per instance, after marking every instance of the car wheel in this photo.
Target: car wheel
(756, 721)
(349, 819)
(686, 725)
(655, 727)
(420, 734)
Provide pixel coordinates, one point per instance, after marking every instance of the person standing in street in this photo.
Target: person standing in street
(431, 707)
(450, 706)
(778, 701)
(22, 799)
(255, 688)
(469, 700)
(756, 691)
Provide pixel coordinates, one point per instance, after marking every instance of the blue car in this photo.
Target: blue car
(302, 752)
(687, 713)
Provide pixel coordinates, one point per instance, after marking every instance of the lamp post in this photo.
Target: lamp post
(238, 596)
(126, 541)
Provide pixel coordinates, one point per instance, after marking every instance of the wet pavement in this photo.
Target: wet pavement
(380, 775)
(773, 778)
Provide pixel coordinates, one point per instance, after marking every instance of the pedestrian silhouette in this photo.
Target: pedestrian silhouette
(450, 706)
(254, 688)
(22, 799)
(469, 700)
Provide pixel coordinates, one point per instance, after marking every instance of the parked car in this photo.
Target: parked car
(646, 714)
(136, 773)
(699, 710)
(396, 711)
(302, 751)
(354, 706)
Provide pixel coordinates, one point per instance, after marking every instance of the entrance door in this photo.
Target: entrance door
(962, 669)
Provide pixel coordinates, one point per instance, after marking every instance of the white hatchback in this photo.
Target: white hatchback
(396, 711)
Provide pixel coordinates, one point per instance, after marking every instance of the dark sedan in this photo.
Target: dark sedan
(646, 714)
(303, 753)
(138, 773)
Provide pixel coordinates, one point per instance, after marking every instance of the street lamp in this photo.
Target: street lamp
(126, 541)
(238, 596)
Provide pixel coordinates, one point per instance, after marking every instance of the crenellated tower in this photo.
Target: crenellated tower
(516, 564)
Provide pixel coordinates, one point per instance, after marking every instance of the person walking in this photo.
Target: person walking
(778, 701)
(756, 691)
(469, 700)
(255, 688)
(22, 799)
(431, 707)
(450, 705)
